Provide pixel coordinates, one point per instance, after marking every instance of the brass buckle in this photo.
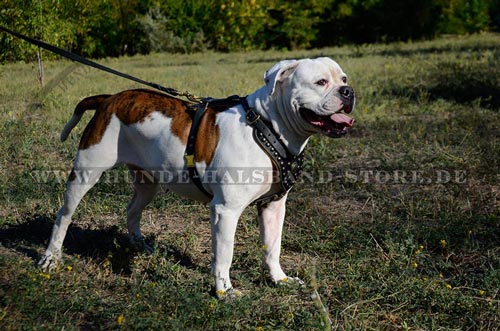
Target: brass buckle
(189, 160)
(252, 117)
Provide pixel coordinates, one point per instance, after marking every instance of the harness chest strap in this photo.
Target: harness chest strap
(288, 166)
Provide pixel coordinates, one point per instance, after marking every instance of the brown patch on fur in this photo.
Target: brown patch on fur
(94, 131)
(92, 102)
(134, 106)
(207, 138)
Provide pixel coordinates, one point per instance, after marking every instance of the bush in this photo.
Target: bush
(34, 19)
(114, 27)
(464, 16)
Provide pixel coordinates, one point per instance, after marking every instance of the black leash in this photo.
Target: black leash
(81, 59)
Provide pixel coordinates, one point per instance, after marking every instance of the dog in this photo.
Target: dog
(149, 131)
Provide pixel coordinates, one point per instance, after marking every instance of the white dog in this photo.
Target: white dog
(149, 131)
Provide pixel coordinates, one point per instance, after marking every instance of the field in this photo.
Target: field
(394, 227)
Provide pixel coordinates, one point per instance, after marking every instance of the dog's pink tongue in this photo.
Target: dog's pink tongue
(342, 119)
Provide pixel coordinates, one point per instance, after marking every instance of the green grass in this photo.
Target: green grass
(382, 253)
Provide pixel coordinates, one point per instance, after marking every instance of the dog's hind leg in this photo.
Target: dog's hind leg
(81, 180)
(145, 188)
(90, 162)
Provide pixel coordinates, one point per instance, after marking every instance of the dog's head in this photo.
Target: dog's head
(316, 92)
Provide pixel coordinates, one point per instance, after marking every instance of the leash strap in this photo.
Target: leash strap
(81, 59)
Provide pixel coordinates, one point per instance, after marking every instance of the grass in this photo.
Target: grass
(395, 227)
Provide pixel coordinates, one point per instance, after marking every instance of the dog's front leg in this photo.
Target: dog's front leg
(271, 218)
(223, 221)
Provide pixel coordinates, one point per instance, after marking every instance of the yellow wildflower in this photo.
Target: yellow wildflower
(69, 268)
(120, 319)
(448, 286)
(414, 265)
(481, 292)
(443, 243)
(44, 275)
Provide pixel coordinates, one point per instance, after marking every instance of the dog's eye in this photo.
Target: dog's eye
(322, 82)
(344, 79)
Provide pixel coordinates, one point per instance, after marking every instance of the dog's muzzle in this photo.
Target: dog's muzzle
(347, 96)
(334, 125)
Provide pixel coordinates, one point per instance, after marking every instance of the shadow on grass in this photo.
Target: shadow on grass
(101, 245)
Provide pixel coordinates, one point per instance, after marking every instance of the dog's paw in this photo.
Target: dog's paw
(49, 262)
(228, 294)
(290, 281)
(139, 244)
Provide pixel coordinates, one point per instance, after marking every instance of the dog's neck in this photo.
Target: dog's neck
(285, 121)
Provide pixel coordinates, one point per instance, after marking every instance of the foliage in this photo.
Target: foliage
(462, 16)
(35, 19)
(176, 26)
(390, 20)
(93, 28)
(116, 27)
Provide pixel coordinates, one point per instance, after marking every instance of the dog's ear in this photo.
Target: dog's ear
(278, 73)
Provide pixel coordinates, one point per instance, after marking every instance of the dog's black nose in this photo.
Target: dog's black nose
(346, 92)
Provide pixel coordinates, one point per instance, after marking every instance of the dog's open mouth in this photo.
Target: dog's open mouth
(335, 125)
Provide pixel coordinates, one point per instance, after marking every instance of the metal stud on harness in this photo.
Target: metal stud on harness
(288, 167)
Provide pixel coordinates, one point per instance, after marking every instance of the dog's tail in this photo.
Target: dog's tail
(86, 104)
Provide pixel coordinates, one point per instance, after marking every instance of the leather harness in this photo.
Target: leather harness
(288, 166)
